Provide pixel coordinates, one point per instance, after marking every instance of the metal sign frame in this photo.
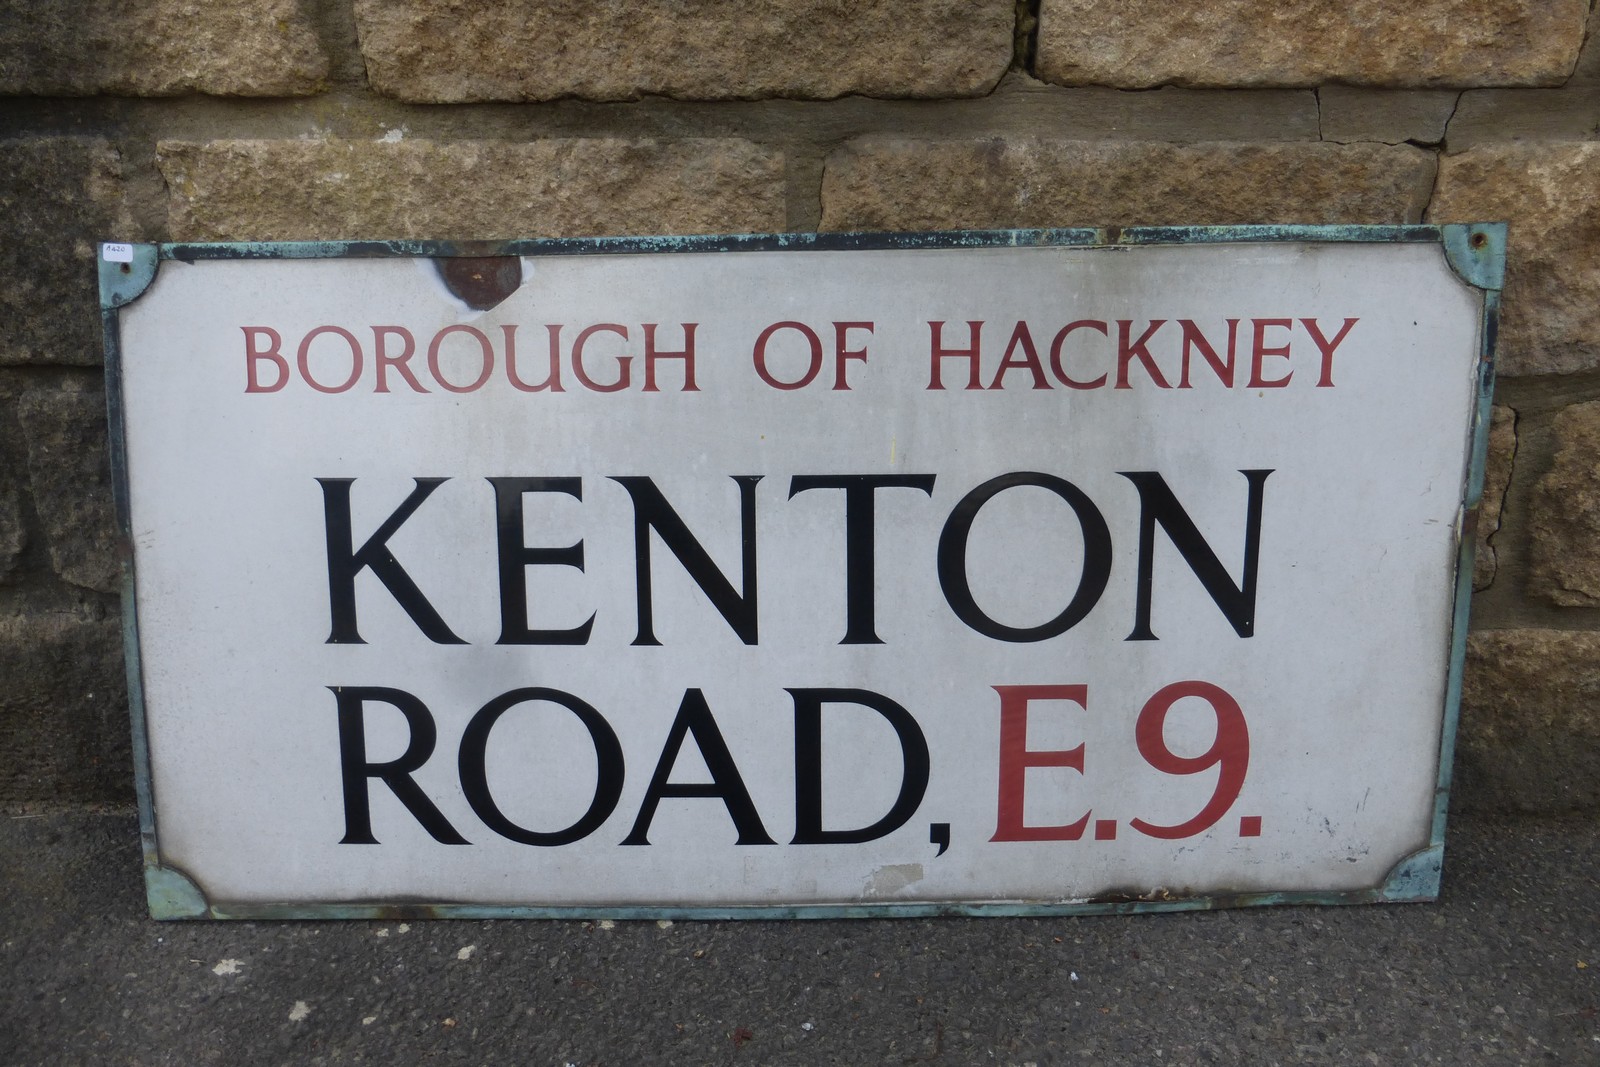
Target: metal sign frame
(1476, 252)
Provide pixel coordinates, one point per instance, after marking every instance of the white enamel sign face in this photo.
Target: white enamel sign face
(756, 578)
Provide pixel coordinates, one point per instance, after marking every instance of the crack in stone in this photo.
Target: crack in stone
(1444, 134)
(1502, 508)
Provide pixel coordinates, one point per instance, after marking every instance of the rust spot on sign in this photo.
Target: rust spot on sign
(482, 282)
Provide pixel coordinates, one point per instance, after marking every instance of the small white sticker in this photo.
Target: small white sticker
(117, 253)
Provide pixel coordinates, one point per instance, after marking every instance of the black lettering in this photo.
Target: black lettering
(515, 556)
(914, 766)
(860, 540)
(344, 563)
(652, 512)
(1158, 505)
(475, 778)
(1092, 580)
(355, 769)
(694, 716)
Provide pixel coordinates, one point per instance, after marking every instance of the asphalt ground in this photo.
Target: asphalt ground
(1505, 969)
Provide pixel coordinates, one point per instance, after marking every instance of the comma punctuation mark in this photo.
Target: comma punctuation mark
(939, 834)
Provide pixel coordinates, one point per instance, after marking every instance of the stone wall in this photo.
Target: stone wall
(221, 120)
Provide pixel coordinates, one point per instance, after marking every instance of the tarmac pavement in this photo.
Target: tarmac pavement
(1505, 969)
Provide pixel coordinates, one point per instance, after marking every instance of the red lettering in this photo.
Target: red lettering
(1055, 354)
(552, 378)
(841, 332)
(651, 354)
(624, 363)
(1229, 753)
(486, 350)
(382, 361)
(939, 352)
(760, 355)
(1021, 338)
(1128, 351)
(1326, 347)
(1016, 758)
(304, 359)
(1259, 351)
(253, 355)
(1194, 340)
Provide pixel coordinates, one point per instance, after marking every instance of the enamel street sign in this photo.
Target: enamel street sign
(984, 573)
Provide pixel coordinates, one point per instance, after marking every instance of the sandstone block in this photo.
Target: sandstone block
(1496, 479)
(1493, 116)
(299, 190)
(1546, 191)
(71, 478)
(901, 184)
(1588, 72)
(434, 51)
(1139, 44)
(1564, 523)
(64, 734)
(1349, 114)
(58, 196)
(1529, 738)
(159, 48)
